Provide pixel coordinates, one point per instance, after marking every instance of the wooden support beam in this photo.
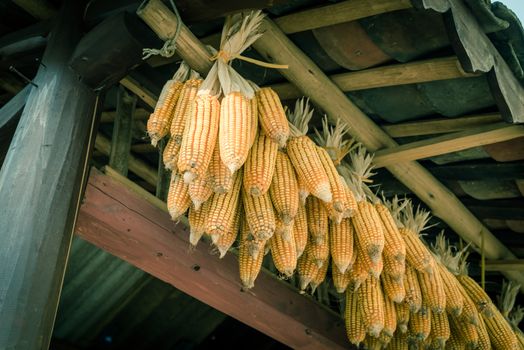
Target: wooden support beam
(440, 126)
(483, 135)
(341, 12)
(140, 114)
(143, 93)
(119, 220)
(122, 131)
(164, 175)
(40, 185)
(40, 9)
(143, 148)
(391, 75)
(137, 166)
(10, 112)
(505, 265)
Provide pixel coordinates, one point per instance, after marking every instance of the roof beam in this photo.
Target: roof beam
(505, 265)
(275, 46)
(120, 220)
(40, 9)
(12, 109)
(391, 75)
(483, 135)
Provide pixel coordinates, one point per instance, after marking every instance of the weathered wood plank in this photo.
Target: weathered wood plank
(439, 126)
(122, 131)
(139, 90)
(164, 175)
(391, 75)
(10, 112)
(40, 184)
(119, 221)
(140, 114)
(337, 13)
(453, 142)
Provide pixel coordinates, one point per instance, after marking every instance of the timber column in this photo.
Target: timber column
(40, 183)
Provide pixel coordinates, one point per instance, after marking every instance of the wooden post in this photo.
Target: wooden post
(40, 186)
(122, 131)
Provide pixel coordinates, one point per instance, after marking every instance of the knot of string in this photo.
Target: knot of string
(169, 47)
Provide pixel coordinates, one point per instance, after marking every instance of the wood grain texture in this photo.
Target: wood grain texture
(122, 131)
(391, 75)
(139, 90)
(473, 137)
(40, 185)
(505, 265)
(119, 221)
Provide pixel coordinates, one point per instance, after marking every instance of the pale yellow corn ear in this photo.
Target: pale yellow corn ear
(371, 304)
(303, 192)
(481, 299)
(260, 215)
(454, 298)
(182, 111)
(199, 137)
(318, 249)
(355, 329)
(219, 177)
(393, 288)
(199, 192)
(390, 317)
(455, 341)
(340, 280)
(254, 109)
(320, 276)
(419, 325)
(341, 237)
(237, 123)
(394, 245)
(417, 254)
(178, 200)
(432, 288)
(484, 340)
(283, 249)
(260, 166)
(358, 273)
(399, 342)
(300, 231)
(197, 224)
(317, 220)
(469, 311)
(466, 331)
(403, 314)
(307, 270)
(223, 210)
(369, 230)
(160, 120)
(284, 189)
(341, 202)
(170, 154)
(249, 263)
(271, 116)
(500, 333)
(440, 331)
(373, 267)
(333, 215)
(372, 343)
(394, 268)
(413, 292)
(384, 340)
(308, 166)
(228, 236)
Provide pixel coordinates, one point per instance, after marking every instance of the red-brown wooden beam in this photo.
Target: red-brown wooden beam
(117, 219)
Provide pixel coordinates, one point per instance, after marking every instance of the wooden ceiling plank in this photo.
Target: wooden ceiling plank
(115, 218)
(474, 137)
(40, 9)
(505, 265)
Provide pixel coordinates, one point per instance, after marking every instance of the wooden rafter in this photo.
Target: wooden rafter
(275, 46)
(132, 224)
(473, 137)
(505, 265)
(40, 9)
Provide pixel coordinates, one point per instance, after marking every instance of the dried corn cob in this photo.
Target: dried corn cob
(260, 166)
(170, 154)
(284, 189)
(317, 220)
(393, 288)
(307, 270)
(320, 276)
(374, 268)
(384, 340)
(403, 313)
(355, 329)
(477, 294)
(432, 288)
(199, 192)
(419, 325)
(272, 117)
(394, 246)
(372, 343)
(358, 273)
(249, 263)
(197, 224)
(369, 230)
(237, 123)
(341, 244)
(199, 137)
(340, 280)
(227, 237)
(178, 200)
(300, 230)
(482, 331)
(413, 292)
(500, 333)
(223, 209)
(318, 250)
(303, 192)
(254, 109)
(469, 311)
(439, 330)
(283, 249)
(455, 341)
(219, 177)
(454, 299)
(260, 215)
(399, 342)
(390, 317)
(371, 304)
(333, 215)
(417, 254)
(183, 108)
(466, 331)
